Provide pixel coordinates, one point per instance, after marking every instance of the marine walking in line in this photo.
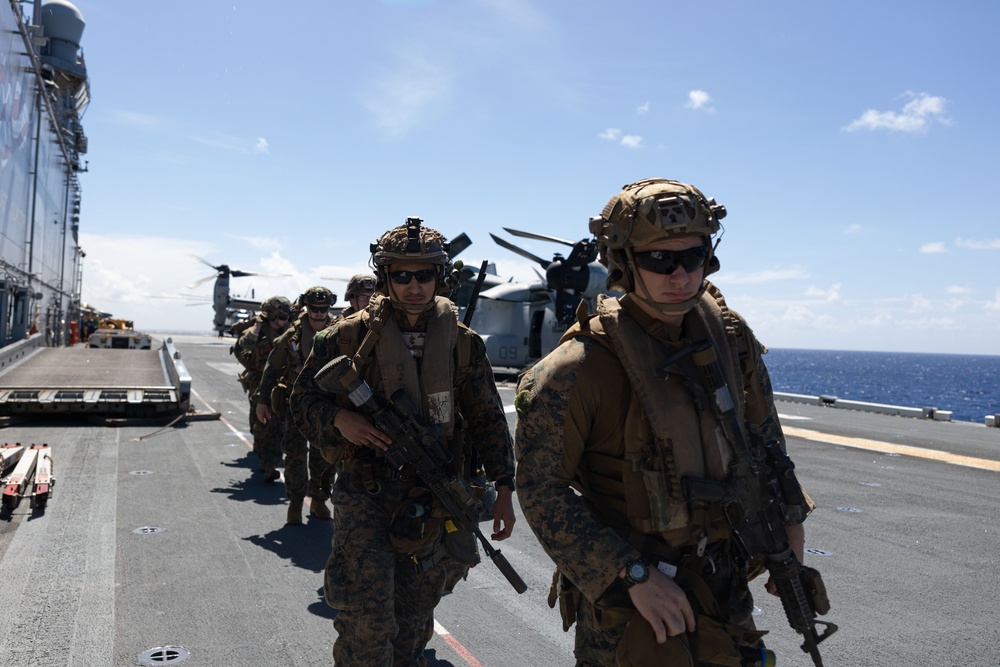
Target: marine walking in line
(645, 443)
(252, 349)
(387, 569)
(283, 365)
(360, 289)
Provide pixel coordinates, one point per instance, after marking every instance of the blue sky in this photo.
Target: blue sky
(854, 144)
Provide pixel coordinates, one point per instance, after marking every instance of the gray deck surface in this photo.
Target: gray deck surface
(907, 547)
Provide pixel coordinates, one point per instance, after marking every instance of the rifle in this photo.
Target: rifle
(415, 443)
(471, 308)
(759, 499)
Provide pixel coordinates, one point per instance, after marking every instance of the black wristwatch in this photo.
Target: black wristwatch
(507, 481)
(636, 572)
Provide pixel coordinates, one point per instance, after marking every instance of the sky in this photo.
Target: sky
(852, 143)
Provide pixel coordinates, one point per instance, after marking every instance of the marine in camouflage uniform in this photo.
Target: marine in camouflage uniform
(360, 289)
(407, 338)
(283, 365)
(251, 350)
(608, 426)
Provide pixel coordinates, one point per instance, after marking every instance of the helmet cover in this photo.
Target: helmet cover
(410, 243)
(276, 307)
(362, 282)
(318, 296)
(647, 211)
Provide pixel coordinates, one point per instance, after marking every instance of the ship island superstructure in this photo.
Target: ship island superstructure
(45, 91)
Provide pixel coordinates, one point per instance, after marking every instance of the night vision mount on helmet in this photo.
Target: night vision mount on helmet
(411, 242)
(317, 296)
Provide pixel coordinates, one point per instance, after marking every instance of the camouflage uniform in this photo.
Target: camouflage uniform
(283, 365)
(596, 505)
(385, 606)
(252, 350)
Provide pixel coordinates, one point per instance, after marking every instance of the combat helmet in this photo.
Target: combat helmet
(361, 282)
(648, 211)
(276, 307)
(318, 296)
(410, 243)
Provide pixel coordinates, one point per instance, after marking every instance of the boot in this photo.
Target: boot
(294, 511)
(271, 474)
(318, 508)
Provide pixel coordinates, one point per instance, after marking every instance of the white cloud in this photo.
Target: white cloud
(262, 146)
(854, 229)
(626, 140)
(631, 141)
(919, 303)
(146, 278)
(933, 248)
(978, 244)
(699, 100)
(994, 305)
(643, 109)
(916, 116)
(831, 295)
(261, 242)
(230, 143)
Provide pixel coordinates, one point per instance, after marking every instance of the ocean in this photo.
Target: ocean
(968, 385)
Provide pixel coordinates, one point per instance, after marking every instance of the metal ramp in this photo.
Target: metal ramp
(129, 383)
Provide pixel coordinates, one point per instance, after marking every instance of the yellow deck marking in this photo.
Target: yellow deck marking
(906, 450)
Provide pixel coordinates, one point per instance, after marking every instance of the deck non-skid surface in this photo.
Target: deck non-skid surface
(83, 367)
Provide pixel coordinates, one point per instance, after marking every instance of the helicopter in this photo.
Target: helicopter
(521, 322)
(228, 309)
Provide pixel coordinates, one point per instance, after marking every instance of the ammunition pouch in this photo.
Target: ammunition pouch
(563, 592)
(812, 584)
(279, 399)
(460, 544)
(712, 643)
(420, 531)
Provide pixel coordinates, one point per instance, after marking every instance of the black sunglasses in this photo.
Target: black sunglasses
(666, 262)
(318, 309)
(423, 276)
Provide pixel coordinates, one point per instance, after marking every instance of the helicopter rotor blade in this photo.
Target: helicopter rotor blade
(459, 244)
(538, 237)
(236, 273)
(203, 261)
(203, 281)
(523, 253)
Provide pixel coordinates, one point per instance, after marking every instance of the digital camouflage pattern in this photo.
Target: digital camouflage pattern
(251, 351)
(385, 609)
(304, 466)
